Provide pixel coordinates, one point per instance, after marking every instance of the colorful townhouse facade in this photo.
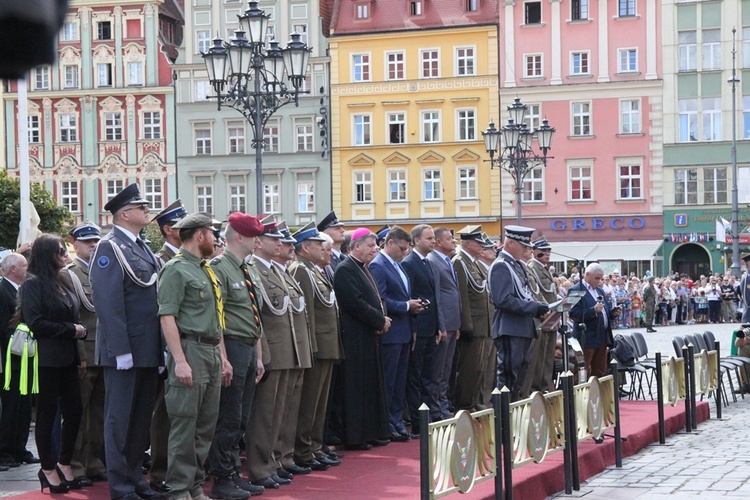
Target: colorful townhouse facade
(102, 116)
(217, 171)
(413, 85)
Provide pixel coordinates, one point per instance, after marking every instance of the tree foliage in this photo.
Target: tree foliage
(54, 218)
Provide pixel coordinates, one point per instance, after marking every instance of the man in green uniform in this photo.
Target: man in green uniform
(649, 303)
(192, 318)
(241, 341)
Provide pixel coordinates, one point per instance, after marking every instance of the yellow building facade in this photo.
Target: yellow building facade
(407, 113)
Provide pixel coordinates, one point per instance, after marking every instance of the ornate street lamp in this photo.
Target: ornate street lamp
(517, 155)
(250, 78)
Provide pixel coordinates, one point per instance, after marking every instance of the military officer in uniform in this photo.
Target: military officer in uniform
(192, 318)
(485, 259)
(649, 304)
(515, 309)
(332, 227)
(322, 315)
(129, 343)
(166, 219)
(89, 451)
(745, 289)
(474, 336)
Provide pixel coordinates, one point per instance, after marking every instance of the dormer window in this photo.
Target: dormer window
(415, 7)
(363, 10)
(472, 5)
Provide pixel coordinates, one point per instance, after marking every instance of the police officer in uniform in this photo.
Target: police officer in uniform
(129, 343)
(192, 318)
(89, 451)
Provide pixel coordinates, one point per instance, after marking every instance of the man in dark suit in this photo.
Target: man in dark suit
(363, 322)
(515, 309)
(597, 314)
(449, 314)
(427, 325)
(395, 291)
(744, 289)
(129, 343)
(16, 408)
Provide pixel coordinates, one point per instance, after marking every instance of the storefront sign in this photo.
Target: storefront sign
(598, 224)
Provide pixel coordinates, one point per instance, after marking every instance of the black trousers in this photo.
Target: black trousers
(16, 416)
(57, 386)
(419, 382)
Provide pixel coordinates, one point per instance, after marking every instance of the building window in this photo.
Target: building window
(237, 198)
(415, 7)
(69, 195)
(41, 78)
(467, 124)
(361, 67)
(236, 137)
(472, 5)
(135, 73)
(628, 59)
(630, 116)
(104, 30)
(270, 34)
(746, 117)
(688, 120)
(34, 132)
(685, 186)
(630, 181)
(303, 131)
(687, 50)
(113, 126)
(581, 118)
(580, 183)
(305, 197)
(711, 48)
(746, 47)
(70, 75)
(579, 63)
(430, 63)
(625, 8)
(396, 128)
(302, 30)
(715, 185)
(533, 116)
(711, 118)
(69, 32)
(271, 198)
(533, 67)
(104, 75)
(363, 11)
(202, 133)
(204, 198)
(363, 186)
(362, 130)
(397, 185)
(533, 185)
(271, 136)
(202, 90)
(579, 9)
(532, 12)
(152, 125)
(395, 69)
(467, 183)
(111, 188)
(465, 61)
(68, 128)
(430, 126)
(433, 188)
(204, 40)
(152, 193)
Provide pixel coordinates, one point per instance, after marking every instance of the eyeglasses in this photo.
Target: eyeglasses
(139, 207)
(62, 251)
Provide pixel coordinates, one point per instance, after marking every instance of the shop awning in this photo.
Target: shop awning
(605, 250)
(568, 250)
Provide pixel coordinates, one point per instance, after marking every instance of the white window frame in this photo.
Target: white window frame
(271, 136)
(745, 117)
(711, 50)
(203, 145)
(98, 31)
(397, 187)
(526, 13)
(236, 135)
(466, 56)
(397, 65)
(432, 177)
(627, 60)
(580, 62)
(746, 46)
(135, 73)
(687, 116)
(416, 8)
(204, 195)
(111, 188)
(583, 172)
(534, 183)
(34, 129)
(306, 196)
(362, 129)
(113, 126)
(69, 32)
(363, 65)
(467, 182)
(68, 123)
(466, 124)
(153, 193)
(395, 118)
(629, 6)
(301, 29)
(104, 76)
(362, 178)
(70, 195)
(688, 182)
(237, 197)
(202, 41)
(42, 79)
(687, 50)
(362, 10)
(433, 71)
(714, 186)
(711, 119)
(70, 75)
(581, 119)
(435, 123)
(151, 129)
(537, 61)
(630, 116)
(306, 136)
(533, 118)
(629, 178)
(272, 197)
(582, 14)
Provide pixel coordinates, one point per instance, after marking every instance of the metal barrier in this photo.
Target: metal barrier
(706, 375)
(672, 387)
(595, 407)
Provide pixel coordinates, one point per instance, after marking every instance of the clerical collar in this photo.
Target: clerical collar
(359, 262)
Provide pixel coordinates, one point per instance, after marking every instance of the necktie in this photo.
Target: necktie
(217, 293)
(251, 292)
(402, 275)
(142, 245)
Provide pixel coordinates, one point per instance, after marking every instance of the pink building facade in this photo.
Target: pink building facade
(592, 68)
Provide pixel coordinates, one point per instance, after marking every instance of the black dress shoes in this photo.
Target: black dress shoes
(101, 477)
(360, 446)
(297, 469)
(399, 438)
(380, 442)
(28, 459)
(161, 486)
(268, 483)
(315, 465)
(10, 463)
(3, 468)
(284, 474)
(281, 480)
(327, 460)
(149, 494)
(333, 454)
(84, 481)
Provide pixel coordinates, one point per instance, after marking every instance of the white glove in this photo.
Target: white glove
(125, 361)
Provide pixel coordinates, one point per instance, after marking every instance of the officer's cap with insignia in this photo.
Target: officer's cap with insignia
(270, 228)
(541, 243)
(487, 242)
(86, 231)
(382, 234)
(131, 195)
(471, 233)
(308, 232)
(329, 220)
(199, 219)
(519, 233)
(746, 257)
(172, 214)
(286, 234)
(245, 224)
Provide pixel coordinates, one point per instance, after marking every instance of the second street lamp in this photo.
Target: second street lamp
(249, 77)
(516, 154)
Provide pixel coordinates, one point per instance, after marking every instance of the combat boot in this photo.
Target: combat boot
(224, 489)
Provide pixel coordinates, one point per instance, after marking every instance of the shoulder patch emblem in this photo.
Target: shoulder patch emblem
(103, 262)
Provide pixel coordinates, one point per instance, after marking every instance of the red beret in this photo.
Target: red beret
(246, 225)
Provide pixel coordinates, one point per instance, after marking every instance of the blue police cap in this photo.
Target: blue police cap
(86, 231)
(308, 233)
(131, 195)
(172, 214)
(329, 220)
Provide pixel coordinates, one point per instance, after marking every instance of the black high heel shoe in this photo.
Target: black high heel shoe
(53, 488)
(73, 484)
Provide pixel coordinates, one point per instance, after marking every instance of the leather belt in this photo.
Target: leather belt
(200, 339)
(246, 340)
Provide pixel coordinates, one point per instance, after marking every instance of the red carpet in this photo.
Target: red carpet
(393, 471)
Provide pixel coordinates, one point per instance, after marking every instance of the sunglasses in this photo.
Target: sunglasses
(139, 207)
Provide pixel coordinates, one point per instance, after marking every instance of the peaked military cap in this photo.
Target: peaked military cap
(487, 242)
(86, 231)
(541, 243)
(286, 233)
(131, 195)
(519, 233)
(270, 228)
(471, 233)
(381, 234)
(172, 214)
(329, 220)
(308, 232)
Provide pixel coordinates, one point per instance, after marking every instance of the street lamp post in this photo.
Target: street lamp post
(249, 77)
(735, 268)
(516, 155)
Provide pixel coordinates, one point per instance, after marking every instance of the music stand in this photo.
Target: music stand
(559, 312)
